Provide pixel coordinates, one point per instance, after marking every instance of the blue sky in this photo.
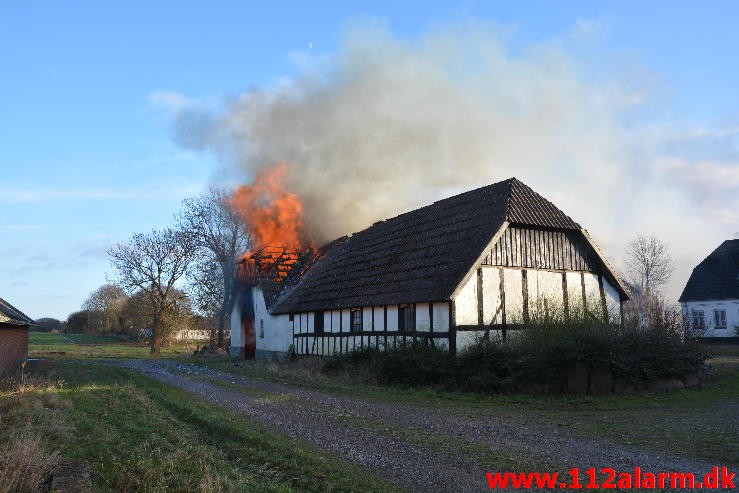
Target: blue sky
(87, 91)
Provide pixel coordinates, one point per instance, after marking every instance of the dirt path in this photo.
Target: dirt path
(416, 448)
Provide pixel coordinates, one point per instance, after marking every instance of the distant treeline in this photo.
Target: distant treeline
(110, 311)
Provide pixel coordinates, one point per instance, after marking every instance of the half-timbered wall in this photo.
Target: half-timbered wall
(379, 329)
(542, 249)
(485, 304)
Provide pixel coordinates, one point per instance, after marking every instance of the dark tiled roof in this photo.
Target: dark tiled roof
(717, 277)
(10, 315)
(528, 207)
(421, 255)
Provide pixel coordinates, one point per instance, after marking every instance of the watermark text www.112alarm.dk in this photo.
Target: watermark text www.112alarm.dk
(608, 478)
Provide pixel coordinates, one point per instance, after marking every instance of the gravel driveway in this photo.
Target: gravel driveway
(416, 448)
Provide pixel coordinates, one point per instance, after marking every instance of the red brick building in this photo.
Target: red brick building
(14, 326)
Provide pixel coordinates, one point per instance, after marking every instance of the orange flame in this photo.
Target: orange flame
(275, 218)
(274, 215)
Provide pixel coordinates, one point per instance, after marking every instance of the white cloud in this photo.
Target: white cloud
(387, 124)
(170, 100)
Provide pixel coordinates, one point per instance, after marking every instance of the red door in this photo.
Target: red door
(250, 337)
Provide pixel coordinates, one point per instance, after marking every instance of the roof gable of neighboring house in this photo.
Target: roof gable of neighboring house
(10, 315)
(422, 255)
(717, 277)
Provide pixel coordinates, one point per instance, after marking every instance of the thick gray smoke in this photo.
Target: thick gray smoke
(386, 125)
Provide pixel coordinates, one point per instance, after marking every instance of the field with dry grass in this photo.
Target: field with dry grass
(93, 427)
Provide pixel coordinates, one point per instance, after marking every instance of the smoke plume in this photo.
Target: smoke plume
(386, 125)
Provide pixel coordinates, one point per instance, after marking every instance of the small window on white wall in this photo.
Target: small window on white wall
(699, 321)
(261, 328)
(355, 319)
(407, 318)
(719, 318)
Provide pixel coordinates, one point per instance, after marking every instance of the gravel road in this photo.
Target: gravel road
(416, 448)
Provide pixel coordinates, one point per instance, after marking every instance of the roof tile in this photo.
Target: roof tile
(421, 255)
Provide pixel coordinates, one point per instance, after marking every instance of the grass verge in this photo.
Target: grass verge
(140, 435)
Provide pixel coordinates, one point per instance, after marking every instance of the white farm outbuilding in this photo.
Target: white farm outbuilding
(482, 262)
(710, 299)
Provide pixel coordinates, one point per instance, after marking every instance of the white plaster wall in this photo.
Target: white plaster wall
(466, 303)
(592, 294)
(236, 341)
(422, 317)
(392, 317)
(491, 295)
(367, 318)
(192, 335)
(732, 316)
(345, 320)
(334, 322)
(441, 317)
(613, 302)
(574, 293)
(545, 292)
(278, 334)
(513, 295)
(379, 320)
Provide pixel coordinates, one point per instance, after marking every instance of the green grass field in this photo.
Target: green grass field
(140, 435)
(81, 346)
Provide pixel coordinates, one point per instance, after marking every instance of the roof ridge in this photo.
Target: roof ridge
(511, 181)
(527, 206)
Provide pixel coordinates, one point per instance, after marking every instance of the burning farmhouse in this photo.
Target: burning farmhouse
(482, 262)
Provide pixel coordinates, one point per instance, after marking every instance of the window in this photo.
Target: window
(261, 328)
(355, 320)
(699, 322)
(318, 322)
(407, 318)
(719, 318)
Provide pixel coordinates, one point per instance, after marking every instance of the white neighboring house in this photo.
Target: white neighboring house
(482, 262)
(710, 299)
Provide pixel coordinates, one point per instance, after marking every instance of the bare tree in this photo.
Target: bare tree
(222, 235)
(649, 263)
(206, 287)
(649, 266)
(152, 263)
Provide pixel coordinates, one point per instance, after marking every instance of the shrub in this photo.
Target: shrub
(410, 364)
(635, 356)
(542, 355)
(485, 366)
